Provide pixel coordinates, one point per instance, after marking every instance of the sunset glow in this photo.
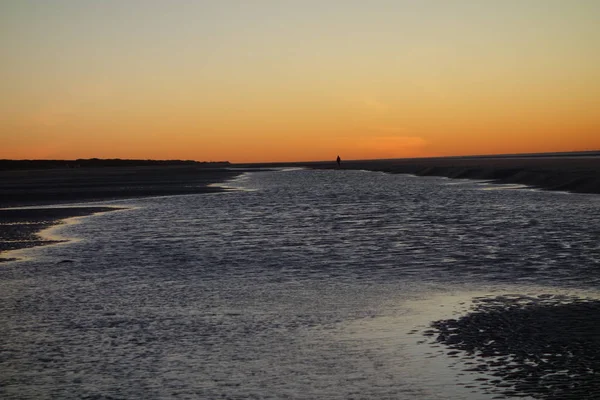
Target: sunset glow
(251, 81)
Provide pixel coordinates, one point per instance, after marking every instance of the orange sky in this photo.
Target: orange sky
(285, 81)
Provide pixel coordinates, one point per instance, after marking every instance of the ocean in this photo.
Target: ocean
(293, 283)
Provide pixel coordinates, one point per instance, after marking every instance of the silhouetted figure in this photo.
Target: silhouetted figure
(339, 161)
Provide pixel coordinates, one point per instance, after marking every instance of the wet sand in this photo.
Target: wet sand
(579, 172)
(19, 228)
(545, 346)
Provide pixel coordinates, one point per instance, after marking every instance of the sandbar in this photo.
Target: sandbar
(570, 172)
(19, 228)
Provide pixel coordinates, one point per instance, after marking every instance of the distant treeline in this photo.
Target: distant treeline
(96, 163)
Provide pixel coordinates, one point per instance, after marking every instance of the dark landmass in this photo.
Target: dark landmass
(19, 228)
(69, 185)
(574, 172)
(101, 163)
(96, 181)
(546, 346)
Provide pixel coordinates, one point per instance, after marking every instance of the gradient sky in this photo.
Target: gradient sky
(282, 80)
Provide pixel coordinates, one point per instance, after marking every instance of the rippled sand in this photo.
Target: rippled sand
(20, 227)
(545, 346)
(306, 284)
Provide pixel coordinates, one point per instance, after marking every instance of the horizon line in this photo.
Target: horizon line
(500, 155)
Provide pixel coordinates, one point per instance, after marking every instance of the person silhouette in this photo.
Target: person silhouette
(339, 161)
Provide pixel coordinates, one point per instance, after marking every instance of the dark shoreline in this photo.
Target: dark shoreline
(56, 186)
(19, 228)
(571, 172)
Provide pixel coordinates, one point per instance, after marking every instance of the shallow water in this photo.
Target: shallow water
(300, 284)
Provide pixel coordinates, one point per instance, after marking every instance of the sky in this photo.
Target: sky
(280, 80)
